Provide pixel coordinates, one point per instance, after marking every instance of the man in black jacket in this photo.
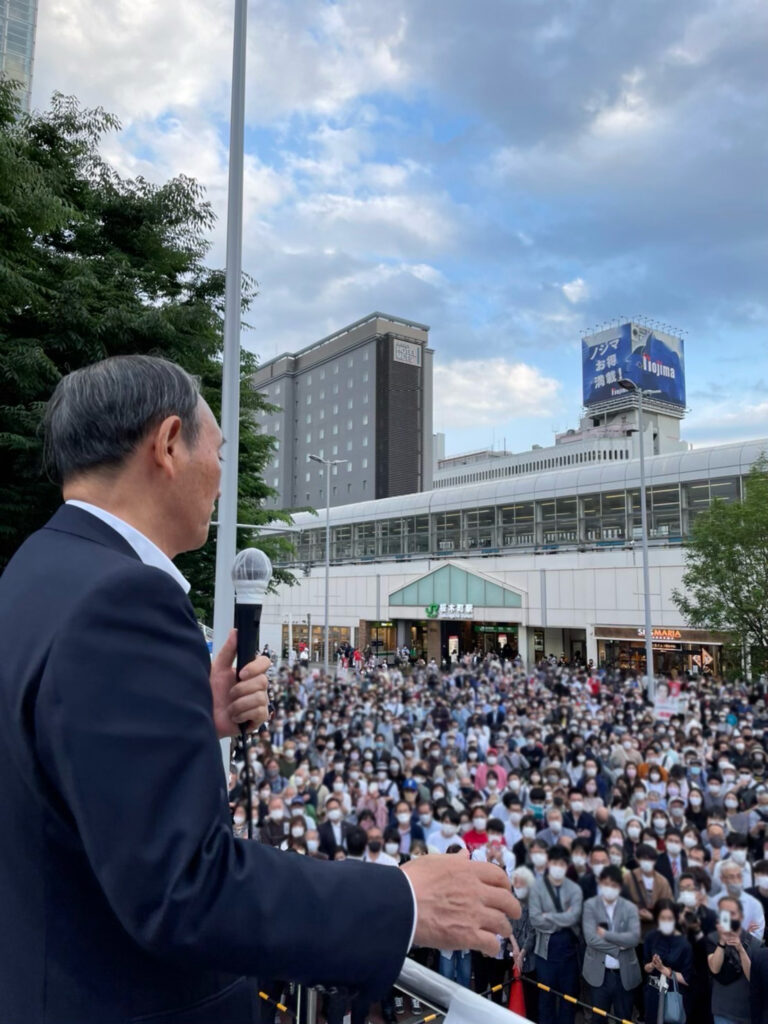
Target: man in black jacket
(125, 895)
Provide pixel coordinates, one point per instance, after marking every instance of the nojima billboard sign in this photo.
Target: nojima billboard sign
(651, 359)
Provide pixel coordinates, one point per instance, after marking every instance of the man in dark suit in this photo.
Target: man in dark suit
(674, 861)
(333, 832)
(125, 895)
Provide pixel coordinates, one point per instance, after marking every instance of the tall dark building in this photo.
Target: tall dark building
(363, 394)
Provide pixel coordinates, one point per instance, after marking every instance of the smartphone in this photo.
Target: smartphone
(724, 920)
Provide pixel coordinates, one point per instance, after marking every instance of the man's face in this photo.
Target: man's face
(196, 486)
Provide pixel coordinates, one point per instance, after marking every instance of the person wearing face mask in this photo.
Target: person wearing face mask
(645, 886)
(335, 830)
(731, 950)
(275, 828)
(491, 761)
(611, 929)
(714, 796)
(760, 887)
(448, 835)
(297, 830)
(555, 906)
(477, 836)
(523, 940)
(375, 852)
(753, 917)
(407, 828)
(666, 952)
(578, 820)
(494, 851)
(695, 812)
(240, 822)
(528, 830)
(555, 832)
(736, 852)
(634, 832)
(673, 860)
(313, 845)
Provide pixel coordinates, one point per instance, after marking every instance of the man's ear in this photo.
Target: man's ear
(165, 445)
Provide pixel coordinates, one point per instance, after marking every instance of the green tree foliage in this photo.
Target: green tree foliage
(725, 583)
(95, 265)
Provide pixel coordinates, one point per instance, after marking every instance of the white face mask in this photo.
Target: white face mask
(674, 849)
(577, 807)
(276, 814)
(646, 866)
(539, 858)
(334, 814)
(578, 860)
(762, 881)
(312, 845)
(529, 831)
(690, 842)
(239, 819)
(521, 891)
(392, 849)
(556, 872)
(448, 829)
(403, 818)
(597, 869)
(478, 824)
(633, 832)
(688, 899)
(609, 893)
(425, 819)
(297, 831)
(739, 856)
(666, 927)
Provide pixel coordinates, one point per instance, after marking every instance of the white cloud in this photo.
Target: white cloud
(722, 421)
(490, 392)
(576, 290)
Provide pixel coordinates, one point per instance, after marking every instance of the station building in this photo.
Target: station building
(545, 562)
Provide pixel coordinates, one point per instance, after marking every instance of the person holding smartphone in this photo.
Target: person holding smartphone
(731, 949)
(665, 952)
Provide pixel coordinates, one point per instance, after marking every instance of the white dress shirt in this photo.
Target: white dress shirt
(148, 552)
(610, 961)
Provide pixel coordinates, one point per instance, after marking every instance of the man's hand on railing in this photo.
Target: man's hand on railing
(462, 904)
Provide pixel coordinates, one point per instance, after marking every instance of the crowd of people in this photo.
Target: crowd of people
(637, 845)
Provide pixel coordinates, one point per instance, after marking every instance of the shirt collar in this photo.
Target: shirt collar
(148, 552)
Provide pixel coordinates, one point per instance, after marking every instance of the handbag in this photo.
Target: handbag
(674, 1011)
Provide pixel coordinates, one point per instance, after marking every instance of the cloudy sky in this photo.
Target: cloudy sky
(509, 172)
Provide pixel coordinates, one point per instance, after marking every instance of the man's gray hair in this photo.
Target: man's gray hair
(97, 415)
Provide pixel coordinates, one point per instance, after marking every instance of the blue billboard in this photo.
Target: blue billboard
(653, 360)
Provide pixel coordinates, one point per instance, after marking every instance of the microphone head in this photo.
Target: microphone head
(251, 574)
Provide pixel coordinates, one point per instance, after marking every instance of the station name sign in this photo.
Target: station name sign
(450, 611)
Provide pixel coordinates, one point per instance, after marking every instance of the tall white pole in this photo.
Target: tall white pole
(226, 538)
(327, 556)
(646, 569)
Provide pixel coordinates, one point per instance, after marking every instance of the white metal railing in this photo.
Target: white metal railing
(460, 1005)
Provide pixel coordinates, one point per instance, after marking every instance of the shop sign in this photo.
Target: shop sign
(661, 634)
(450, 611)
(496, 629)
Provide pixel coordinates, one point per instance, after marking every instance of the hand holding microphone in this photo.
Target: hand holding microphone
(240, 697)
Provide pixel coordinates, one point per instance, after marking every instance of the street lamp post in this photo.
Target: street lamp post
(327, 463)
(629, 385)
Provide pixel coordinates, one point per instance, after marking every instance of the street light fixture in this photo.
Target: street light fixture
(629, 385)
(327, 463)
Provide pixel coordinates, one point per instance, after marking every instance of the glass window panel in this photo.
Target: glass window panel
(727, 490)
(447, 531)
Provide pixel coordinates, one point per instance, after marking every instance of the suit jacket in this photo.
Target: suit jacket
(643, 898)
(545, 916)
(327, 840)
(620, 941)
(125, 895)
(664, 867)
(758, 987)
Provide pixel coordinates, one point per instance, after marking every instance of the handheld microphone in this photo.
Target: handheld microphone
(251, 574)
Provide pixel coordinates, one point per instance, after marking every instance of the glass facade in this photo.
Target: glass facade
(18, 20)
(613, 517)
